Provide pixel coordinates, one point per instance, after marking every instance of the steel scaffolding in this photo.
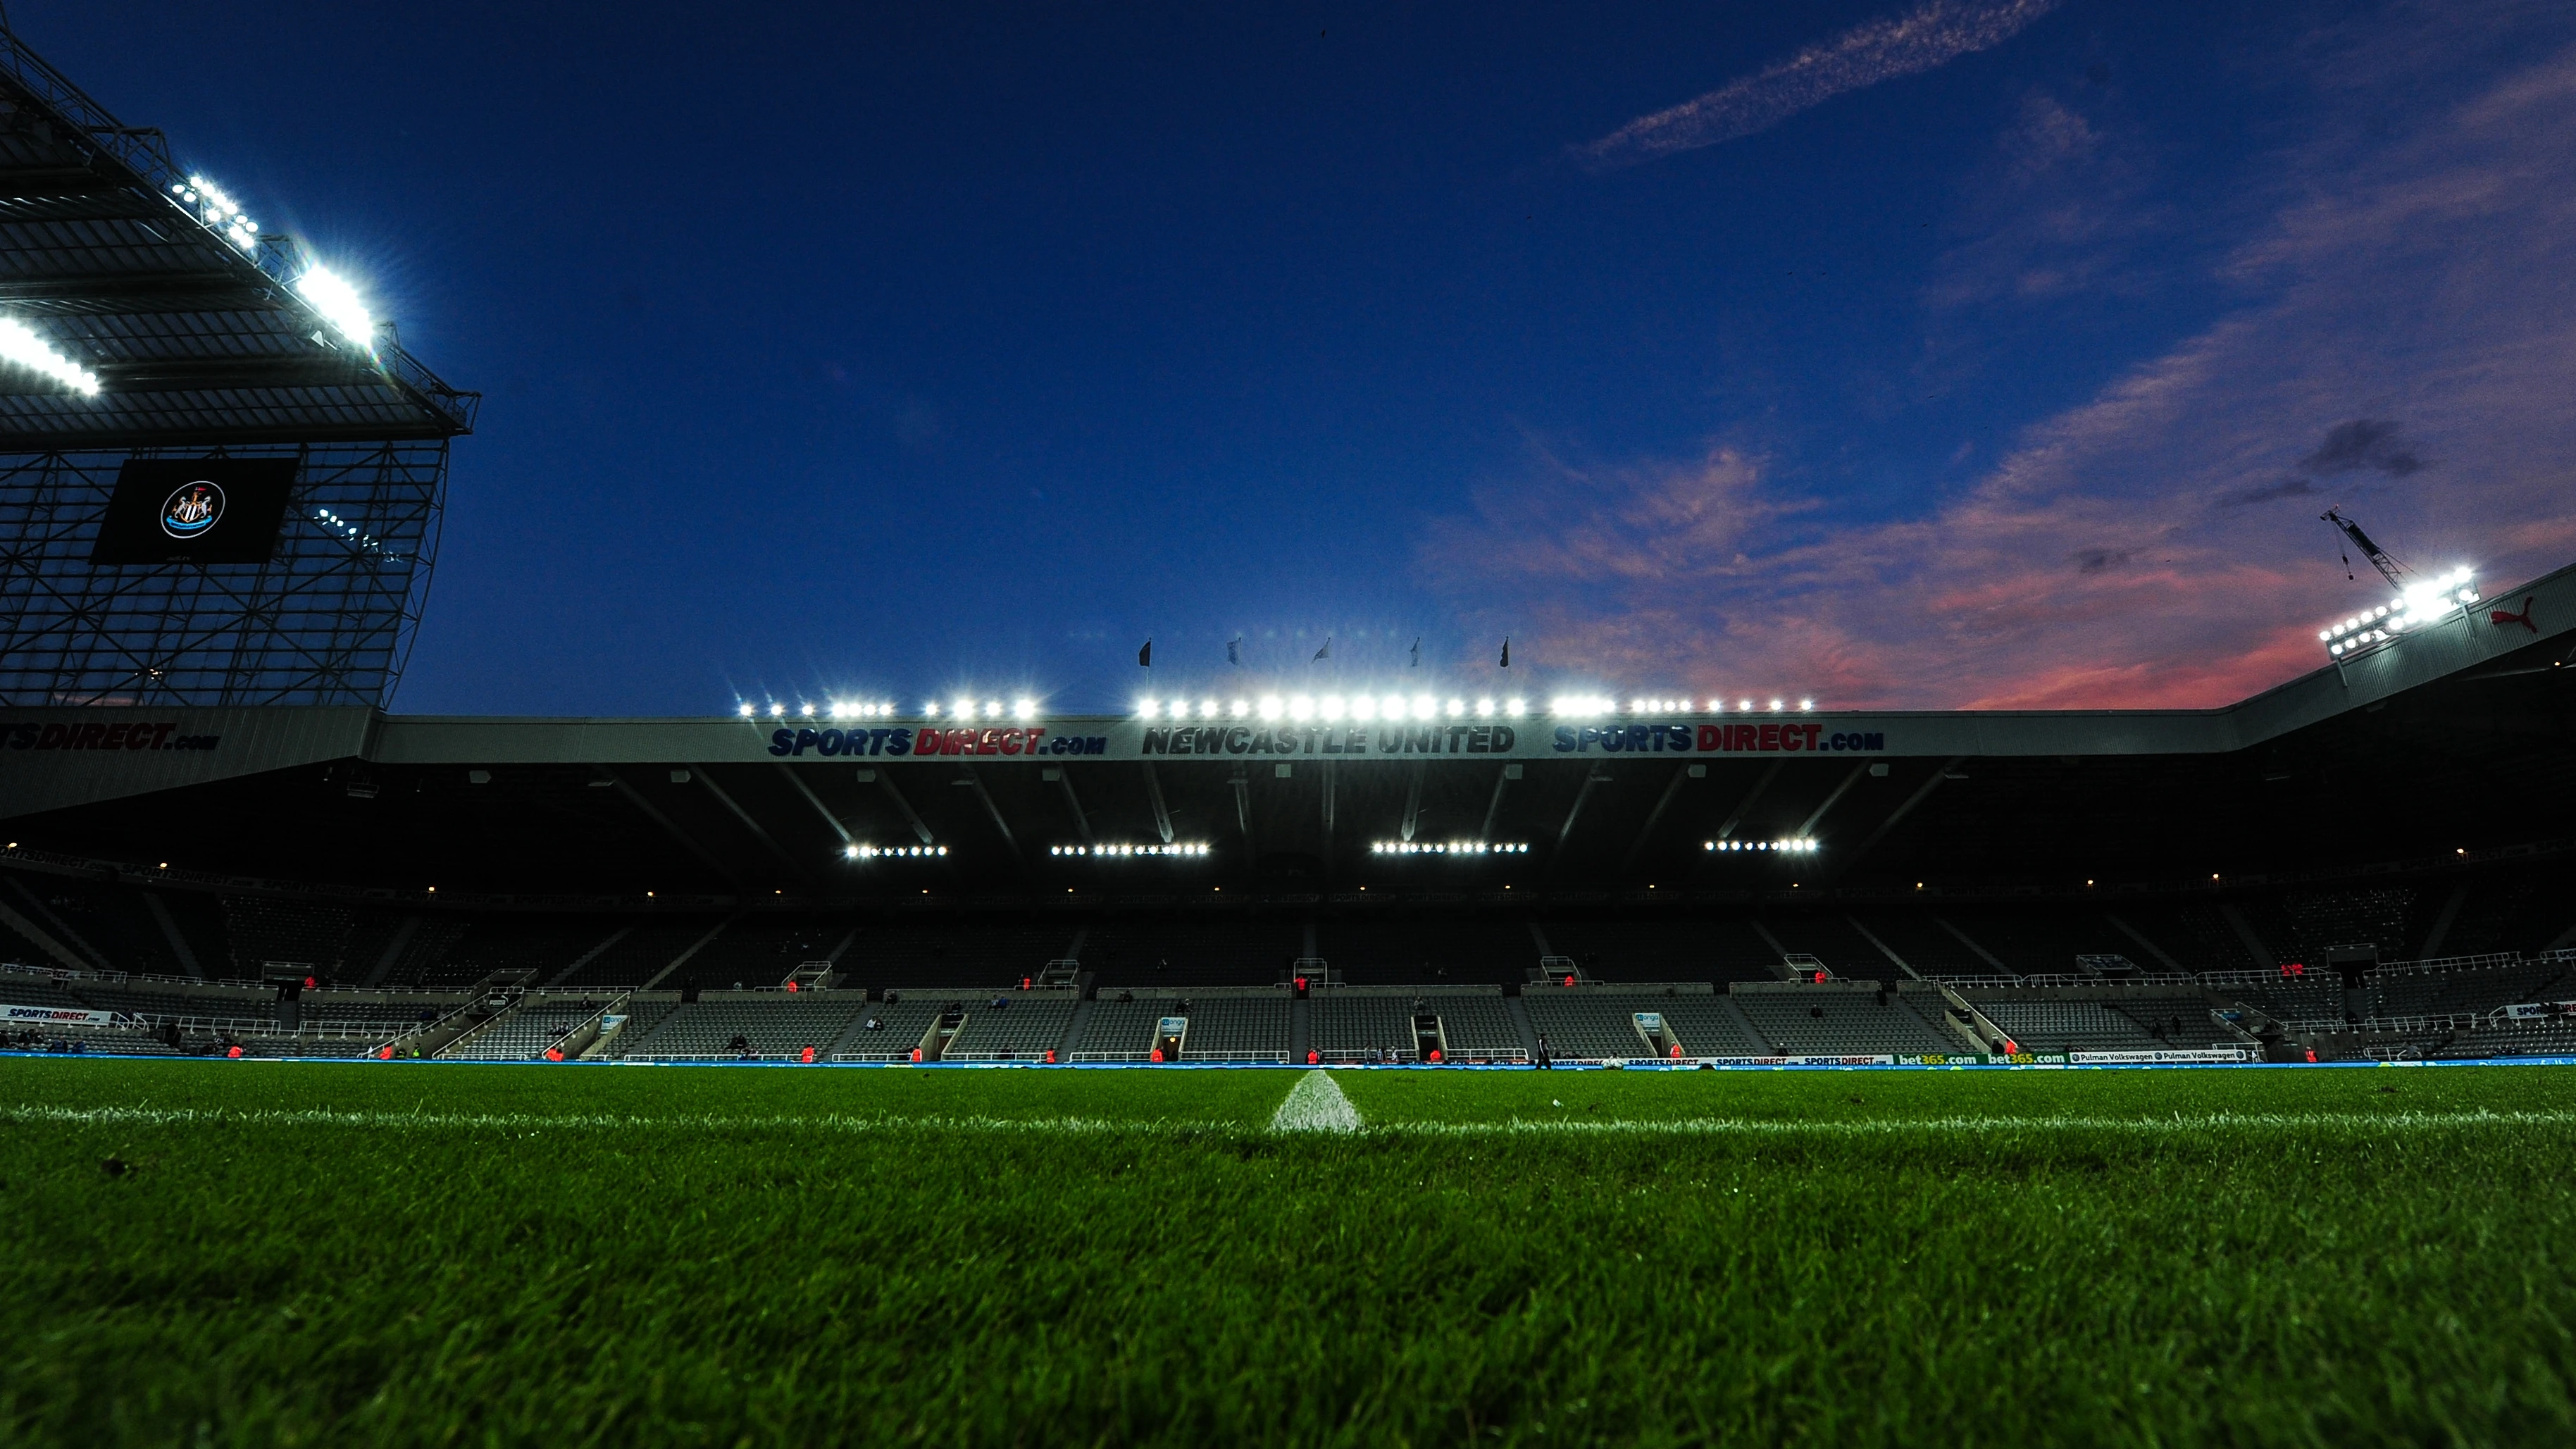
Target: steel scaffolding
(328, 619)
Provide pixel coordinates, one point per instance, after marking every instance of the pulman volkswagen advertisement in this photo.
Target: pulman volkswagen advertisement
(195, 510)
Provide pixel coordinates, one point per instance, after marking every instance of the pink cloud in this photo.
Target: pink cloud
(2156, 546)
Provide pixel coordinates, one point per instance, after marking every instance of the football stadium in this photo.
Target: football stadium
(1398, 1063)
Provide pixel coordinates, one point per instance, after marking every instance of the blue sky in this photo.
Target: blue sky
(1901, 355)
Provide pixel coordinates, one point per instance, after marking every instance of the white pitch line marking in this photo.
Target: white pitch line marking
(1316, 1104)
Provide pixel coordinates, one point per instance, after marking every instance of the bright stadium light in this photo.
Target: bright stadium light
(930, 709)
(1330, 707)
(1024, 709)
(339, 304)
(1484, 709)
(1148, 708)
(1392, 706)
(1271, 706)
(1300, 707)
(806, 710)
(1775, 706)
(1806, 704)
(743, 709)
(219, 212)
(1239, 708)
(1207, 709)
(777, 710)
(1455, 708)
(20, 344)
(1516, 708)
(1363, 706)
(1422, 706)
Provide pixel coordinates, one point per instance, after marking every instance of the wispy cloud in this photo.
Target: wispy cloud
(1880, 50)
(2406, 348)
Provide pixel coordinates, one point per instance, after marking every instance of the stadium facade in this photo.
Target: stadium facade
(220, 483)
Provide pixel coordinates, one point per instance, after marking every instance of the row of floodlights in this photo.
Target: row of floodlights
(221, 214)
(1798, 846)
(1332, 707)
(879, 852)
(330, 293)
(1020, 709)
(2419, 605)
(1122, 852)
(1299, 707)
(20, 344)
(1448, 847)
(1593, 706)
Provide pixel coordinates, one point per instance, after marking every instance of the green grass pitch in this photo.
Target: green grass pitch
(290, 1253)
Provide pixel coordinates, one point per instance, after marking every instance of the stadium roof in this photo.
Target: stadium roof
(2455, 737)
(197, 328)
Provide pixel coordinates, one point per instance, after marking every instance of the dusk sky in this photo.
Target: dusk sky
(1972, 353)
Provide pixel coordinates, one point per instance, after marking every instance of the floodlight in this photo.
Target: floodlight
(1300, 707)
(1270, 706)
(930, 710)
(1148, 708)
(1775, 705)
(1422, 706)
(992, 709)
(1024, 709)
(1207, 709)
(1363, 706)
(339, 304)
(1484, 709)
(777, 710)
(1516, 708)
(1330, 707)
(1457, 707)
(1239, 708)
(1392, 706)
(1806, 704)
(743, 709)
(20, 344)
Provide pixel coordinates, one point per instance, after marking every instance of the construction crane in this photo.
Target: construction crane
(2389, 568)
(2420, 600)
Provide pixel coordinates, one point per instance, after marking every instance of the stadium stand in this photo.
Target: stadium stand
(1836, 1021)
(2079, 1020)
(1254, 952)
(1922, 942)
(965, 954)
(540, 945)
(1586, 1023)
(270, 935)
(1612, 948)
(898, 1027)
(525, 1034)
(774, 1025)
(1012, 1026)
(754, 952)
(635, 954)
(1120, 1029)
(1832, 939)
(1416, 951)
